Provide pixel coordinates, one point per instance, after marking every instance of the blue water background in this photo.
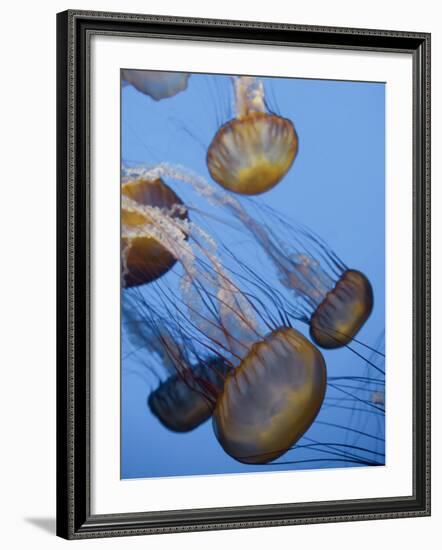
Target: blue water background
(336, 186)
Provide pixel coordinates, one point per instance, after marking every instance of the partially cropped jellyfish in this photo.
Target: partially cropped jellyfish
(185, 398)
(156, 84)
(378, 397)
(144, 258)
(251, 153)
(362, 396)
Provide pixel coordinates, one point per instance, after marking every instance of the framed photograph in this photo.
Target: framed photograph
(243, 274)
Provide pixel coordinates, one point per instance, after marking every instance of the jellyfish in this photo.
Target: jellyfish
(333, 299)
(156, 84)
(185, 399)
(350, 427)
(261, 406)
(144, 258)
(250, 327)
(378, 397)
(251, 153)
(272, 398)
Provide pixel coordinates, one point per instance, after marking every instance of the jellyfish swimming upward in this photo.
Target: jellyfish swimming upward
(251, 153)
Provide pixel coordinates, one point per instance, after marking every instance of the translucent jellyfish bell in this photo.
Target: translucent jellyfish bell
(157, 84)
(271, 399)
(187, 396)
(251, 153)
(144, 258)
(343, 311)
(187, 399)
(334, 300)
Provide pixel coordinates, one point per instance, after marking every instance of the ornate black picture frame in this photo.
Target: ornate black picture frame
(74, 32)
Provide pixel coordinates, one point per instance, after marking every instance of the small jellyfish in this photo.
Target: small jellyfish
(271, 399)
(156, 84)
(343, 310)
(334, 300)
(187, 396)
(251, 153)
(187, 399)
(144, 258)
(378, 397)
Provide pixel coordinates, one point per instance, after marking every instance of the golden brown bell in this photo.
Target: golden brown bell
(251, 154)
(144, 258)
(271, 399)
(343, 311)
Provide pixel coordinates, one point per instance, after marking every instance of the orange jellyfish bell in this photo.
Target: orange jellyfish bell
(252, 153)
(343, 311)
(186, 400)
(144, 258)
(156, 84)
(271, 398)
